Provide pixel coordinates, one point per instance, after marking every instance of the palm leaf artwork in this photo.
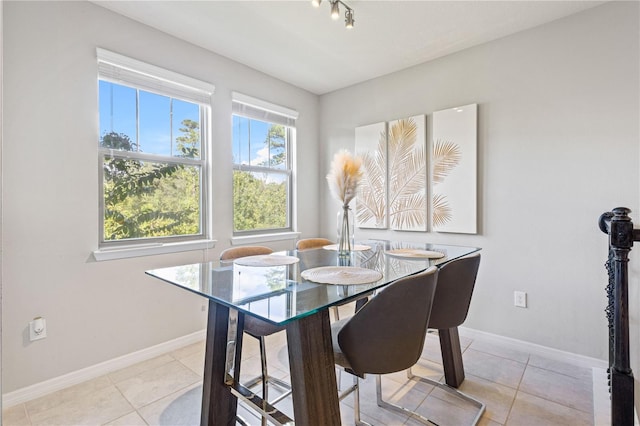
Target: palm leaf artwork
(407, 177)
(441, 210)
(446, 157)
(371, 202)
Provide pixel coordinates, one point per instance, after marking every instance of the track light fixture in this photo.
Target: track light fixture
(335, 11)
(348, 19)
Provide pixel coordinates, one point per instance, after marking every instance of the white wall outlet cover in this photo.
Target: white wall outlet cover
(520, 299)
(37, 329)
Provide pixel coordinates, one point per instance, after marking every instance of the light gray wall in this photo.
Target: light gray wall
(99, 311)
(558, 128)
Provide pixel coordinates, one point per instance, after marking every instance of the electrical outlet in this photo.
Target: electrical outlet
(520, 299)
(37, 329)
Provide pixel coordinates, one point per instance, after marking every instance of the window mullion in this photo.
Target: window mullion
(133, 155)
(171, 126)
(260, 169)
(137, 120)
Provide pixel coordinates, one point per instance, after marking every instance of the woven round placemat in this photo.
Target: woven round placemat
(341, 275)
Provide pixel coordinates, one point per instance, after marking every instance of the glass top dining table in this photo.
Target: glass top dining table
(284, 286)
(294, 289)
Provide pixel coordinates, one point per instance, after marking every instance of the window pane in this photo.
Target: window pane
(118, 112)
(186, 129)
(259, 143)
(258, 148)
(146, 199)
(259, 200)
(155, 123)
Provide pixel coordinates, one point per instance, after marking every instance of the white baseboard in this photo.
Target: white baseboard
(58, 383)
(532, 348)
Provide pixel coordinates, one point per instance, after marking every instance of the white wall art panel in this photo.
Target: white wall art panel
(371, 202)
(407, 166)
(454, 170)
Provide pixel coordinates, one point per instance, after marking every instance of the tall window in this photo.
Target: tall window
(262, 168)
(152, 147)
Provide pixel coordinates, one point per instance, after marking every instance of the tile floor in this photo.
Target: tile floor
(518, 388)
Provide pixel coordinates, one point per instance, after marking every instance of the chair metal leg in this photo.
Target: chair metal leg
(355, 389)
(336, 315)
(478, 404)
(356, 401)
(395, 407)
(264, 379)
(385, 404)
(265, 376)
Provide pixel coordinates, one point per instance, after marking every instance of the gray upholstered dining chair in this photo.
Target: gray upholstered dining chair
(258, 329)
(387, 334)
(456, 281)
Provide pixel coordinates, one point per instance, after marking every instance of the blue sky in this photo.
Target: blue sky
(249, 151)
(118, 114)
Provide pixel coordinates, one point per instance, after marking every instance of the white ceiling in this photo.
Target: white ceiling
(297, 43)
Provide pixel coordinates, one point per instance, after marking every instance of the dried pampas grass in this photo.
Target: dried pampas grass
(344, 176)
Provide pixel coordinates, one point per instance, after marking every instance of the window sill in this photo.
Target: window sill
(262, 238)
(151, 249)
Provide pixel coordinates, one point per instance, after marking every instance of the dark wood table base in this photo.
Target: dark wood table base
(451, 356)
(313, 374)
(219, 406)
(313, 378)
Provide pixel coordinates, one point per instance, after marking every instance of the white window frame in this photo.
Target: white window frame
(258, 109)
(119, 69)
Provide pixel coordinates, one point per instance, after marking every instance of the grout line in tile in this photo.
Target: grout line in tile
(542, 397)
(515, 396)
(557, 403)
(158, 399)
(24, 407)
(499, 356)
(552, 371)
(126, 399)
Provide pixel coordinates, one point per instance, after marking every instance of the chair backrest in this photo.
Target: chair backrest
(456, 281)
(309, 243)
(236, 252)
(387, 334)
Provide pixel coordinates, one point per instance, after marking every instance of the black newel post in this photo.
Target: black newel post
(617, 224)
